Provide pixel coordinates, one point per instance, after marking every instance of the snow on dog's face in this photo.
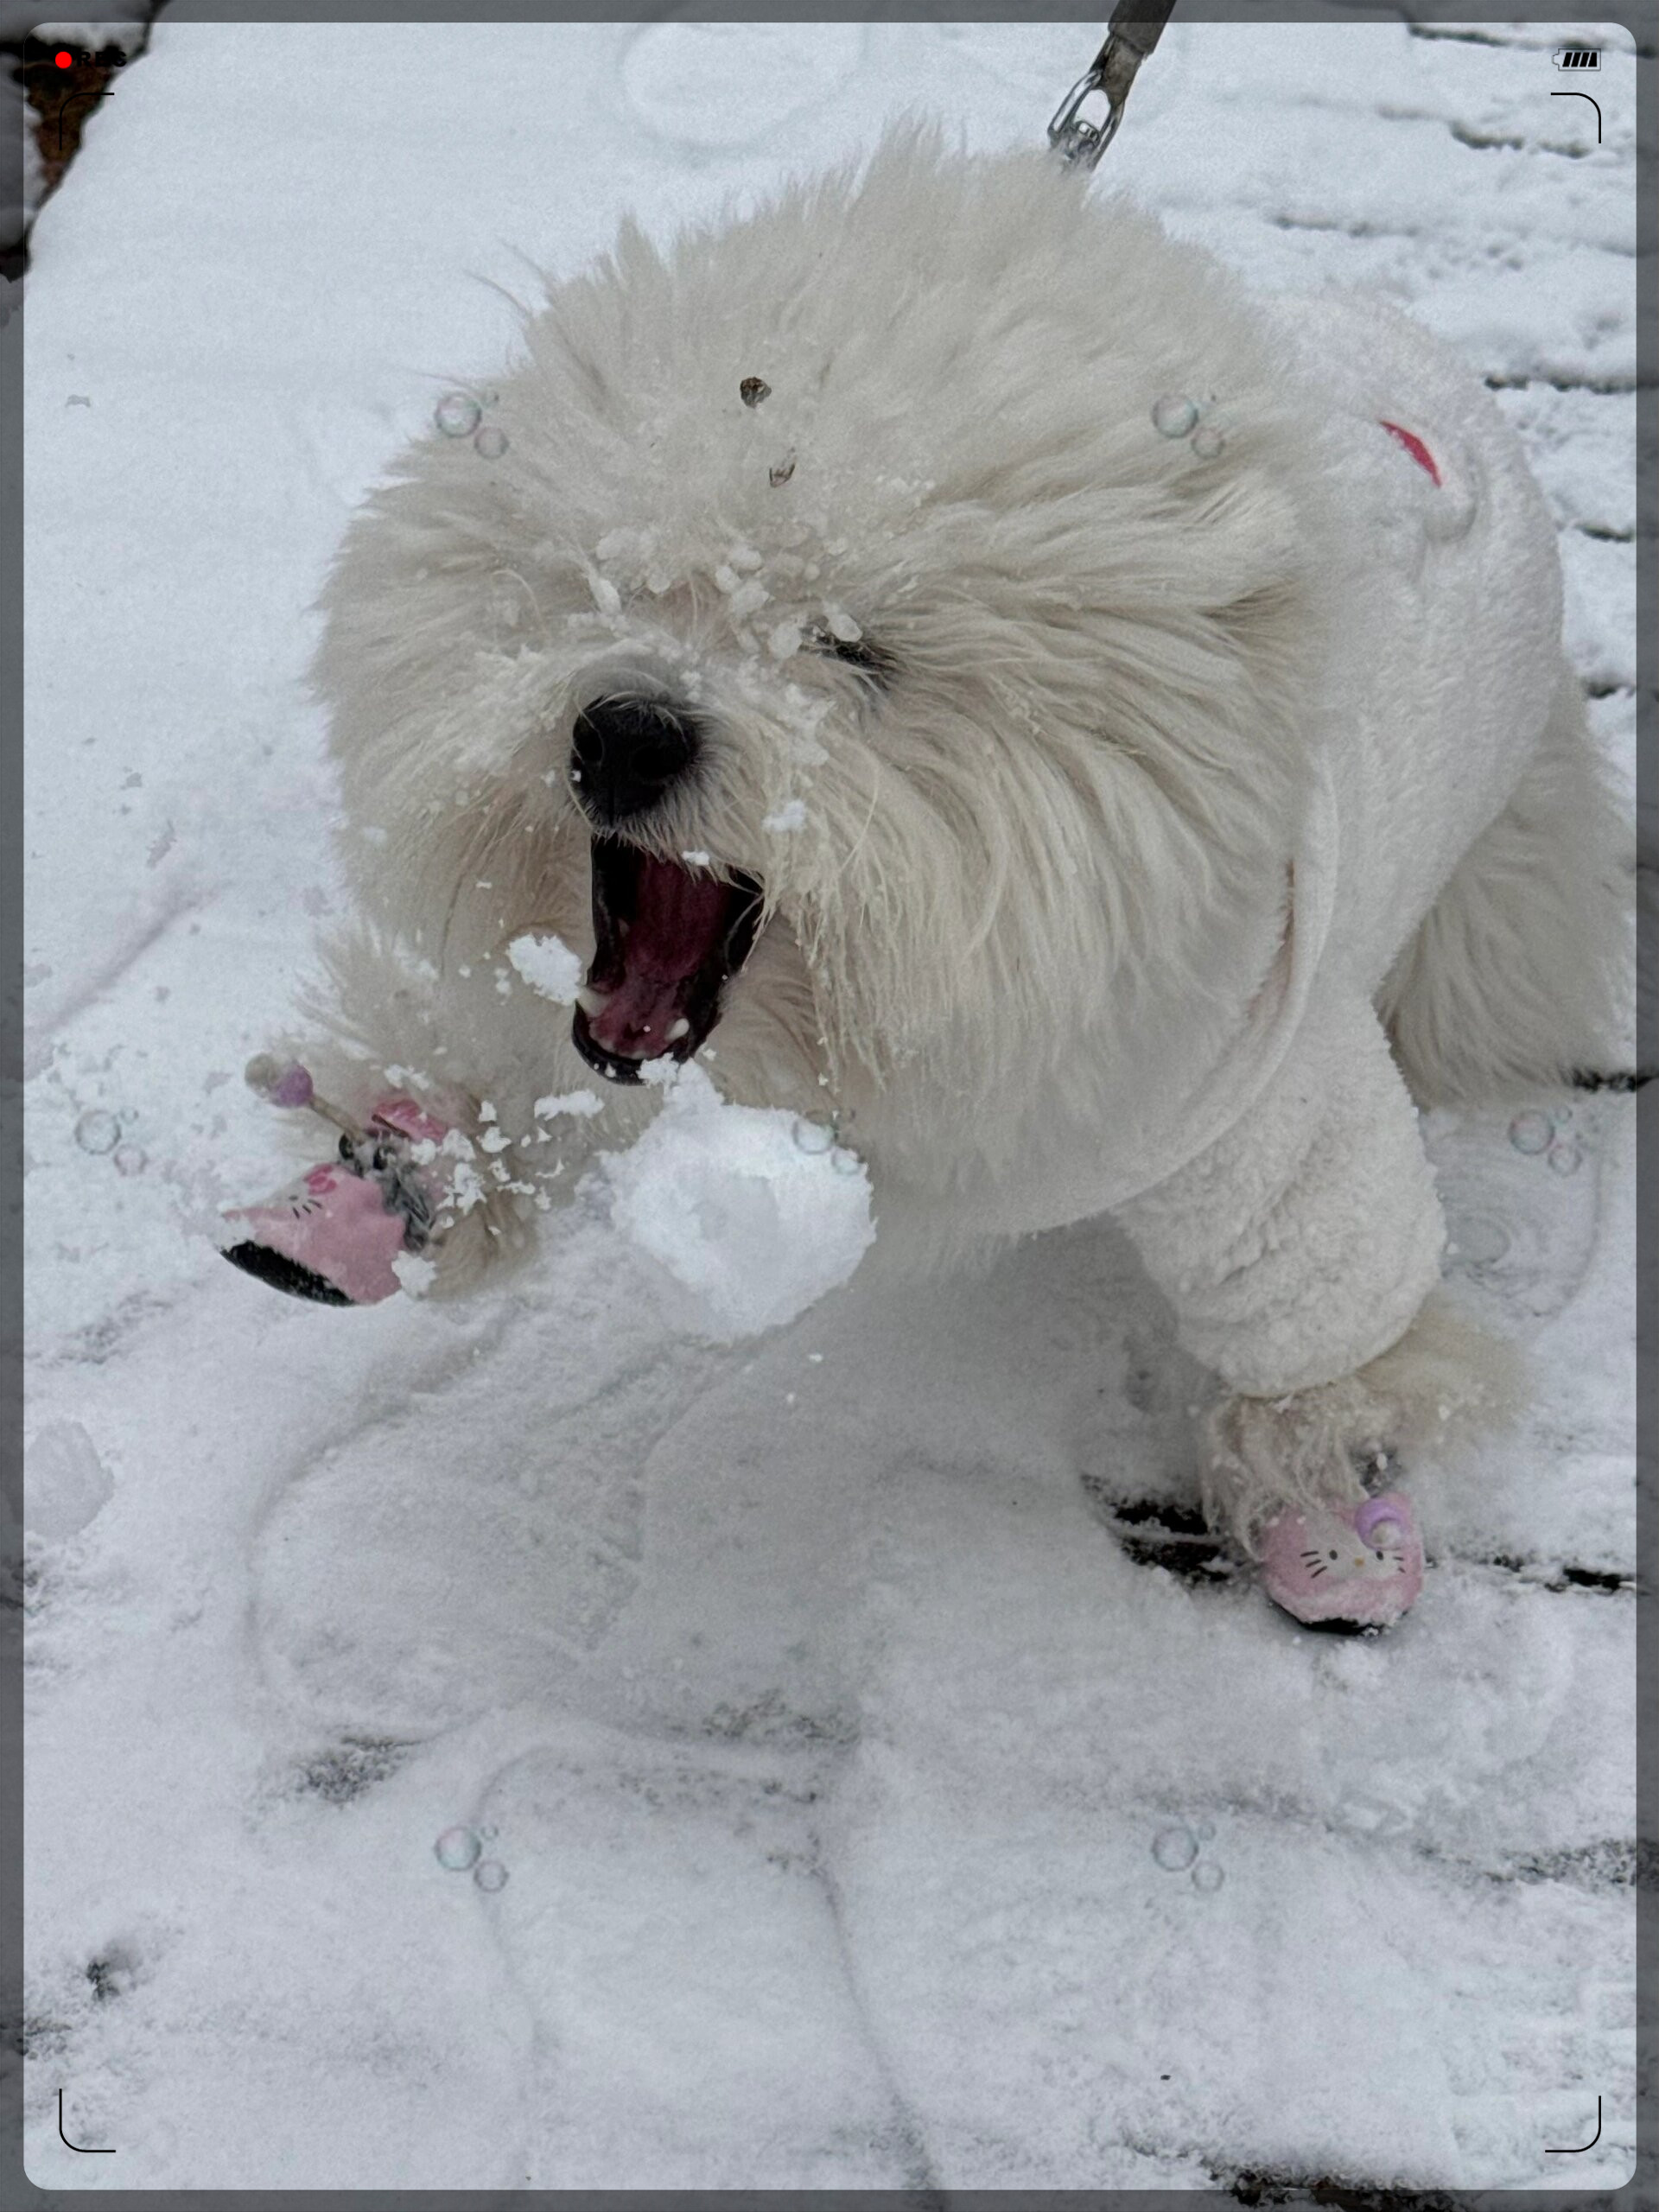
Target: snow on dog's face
(837, 644)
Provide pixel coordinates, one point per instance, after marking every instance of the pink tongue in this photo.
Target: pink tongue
(675, 927)
(637, 1019)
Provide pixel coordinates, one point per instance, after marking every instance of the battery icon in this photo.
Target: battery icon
(1577, 57)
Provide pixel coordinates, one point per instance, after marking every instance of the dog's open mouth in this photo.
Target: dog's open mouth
(667, 941)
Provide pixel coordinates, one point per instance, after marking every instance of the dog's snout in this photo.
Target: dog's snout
(627, 754)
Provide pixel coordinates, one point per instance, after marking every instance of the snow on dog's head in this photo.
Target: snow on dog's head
(837, 650)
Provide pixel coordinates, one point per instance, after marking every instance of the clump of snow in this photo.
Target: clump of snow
(568, 1102)
(628, 551)
(66, 1484)
(415, 1275)
(792, 815)
(549, 966)
(466, 1185)
(747, 1229)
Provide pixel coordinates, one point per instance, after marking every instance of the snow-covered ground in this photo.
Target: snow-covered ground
(848, 1808)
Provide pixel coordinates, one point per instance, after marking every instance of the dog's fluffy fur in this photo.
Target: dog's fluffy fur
(1167, 766)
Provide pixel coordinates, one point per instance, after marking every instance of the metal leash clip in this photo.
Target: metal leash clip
(1072, 136)
(1132, 34)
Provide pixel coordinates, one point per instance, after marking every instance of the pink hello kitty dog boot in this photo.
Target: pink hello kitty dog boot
(1344, 1568)
(337, 1235)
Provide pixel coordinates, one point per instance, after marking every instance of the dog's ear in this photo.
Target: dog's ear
(1272, 587)
(1266, 611)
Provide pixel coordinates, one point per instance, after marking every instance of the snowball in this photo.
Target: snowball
(747, 1229)
(415, 1275)
(549, 966)
(791, 815)
(66, 1484)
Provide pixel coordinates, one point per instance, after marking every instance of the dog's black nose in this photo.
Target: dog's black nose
(627, 754)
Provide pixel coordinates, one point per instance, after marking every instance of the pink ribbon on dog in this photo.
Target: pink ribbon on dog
(1414, 446)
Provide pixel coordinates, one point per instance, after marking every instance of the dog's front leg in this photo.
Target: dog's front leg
(459, 1113)
(1301, 1254)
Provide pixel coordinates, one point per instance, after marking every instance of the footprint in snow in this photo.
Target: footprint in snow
(475, 1550)
(665, 1912)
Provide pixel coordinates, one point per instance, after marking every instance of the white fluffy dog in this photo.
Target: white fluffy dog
(1107, 737)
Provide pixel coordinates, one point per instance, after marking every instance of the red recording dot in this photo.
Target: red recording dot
(64, 58)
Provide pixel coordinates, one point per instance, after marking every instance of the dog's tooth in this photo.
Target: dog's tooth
(677, 1029)
(592, 1002)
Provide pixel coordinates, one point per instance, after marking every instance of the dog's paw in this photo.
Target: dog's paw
(1344, 1570)
(1326, 1448)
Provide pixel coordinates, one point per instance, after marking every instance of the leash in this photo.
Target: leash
(1134, 30)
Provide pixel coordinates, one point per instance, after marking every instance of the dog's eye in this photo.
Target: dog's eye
(862, 653)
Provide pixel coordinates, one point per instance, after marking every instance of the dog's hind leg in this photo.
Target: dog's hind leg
(1520, 973)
